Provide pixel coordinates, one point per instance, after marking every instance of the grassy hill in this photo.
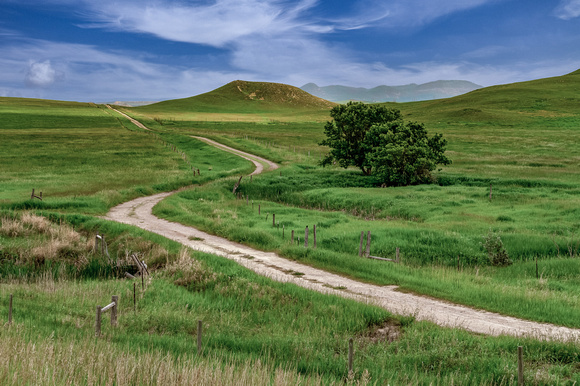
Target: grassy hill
(244, 101)
(510, 103)
(522, 130)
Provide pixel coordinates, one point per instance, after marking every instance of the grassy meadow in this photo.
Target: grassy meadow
(255, 330)
(86, 158)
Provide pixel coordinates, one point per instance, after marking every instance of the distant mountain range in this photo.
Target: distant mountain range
(407, 93)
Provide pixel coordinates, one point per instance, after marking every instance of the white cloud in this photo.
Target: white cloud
(42, 74)
(404, 13)
(217, 23)
(568, 9)
(85, 73)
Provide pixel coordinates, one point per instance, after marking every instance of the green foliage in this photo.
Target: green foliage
(402, 154)
(376, 140)
(346, 134)
(496, 252)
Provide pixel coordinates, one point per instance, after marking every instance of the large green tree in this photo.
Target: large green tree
(345, 134)
(402, 153)
(378, 141)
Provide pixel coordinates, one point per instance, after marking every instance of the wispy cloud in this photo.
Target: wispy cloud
(404, 13)
(568, 9)
(44, 69)
(217, 23)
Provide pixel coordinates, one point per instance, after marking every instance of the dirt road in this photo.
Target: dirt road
(138, 213)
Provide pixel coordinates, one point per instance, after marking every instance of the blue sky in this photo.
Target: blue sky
(107, 50)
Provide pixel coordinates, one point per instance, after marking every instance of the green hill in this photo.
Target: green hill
(509, 103)
(242, 98)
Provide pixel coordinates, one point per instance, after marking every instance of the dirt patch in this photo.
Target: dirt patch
(388, 331)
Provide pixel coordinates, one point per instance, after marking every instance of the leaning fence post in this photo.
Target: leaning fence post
(114, 299)
(368, 250)
(10, 310)
(199, 336)
(520, 366)
(306, 237)
(350, 354)
(98, 322)
(362, 235)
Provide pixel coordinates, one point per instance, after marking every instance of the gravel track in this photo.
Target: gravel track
(138, 212)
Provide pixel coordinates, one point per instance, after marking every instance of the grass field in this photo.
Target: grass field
(249, 322)
(85, 158)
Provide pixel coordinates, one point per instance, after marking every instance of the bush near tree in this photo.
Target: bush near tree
(377, 140)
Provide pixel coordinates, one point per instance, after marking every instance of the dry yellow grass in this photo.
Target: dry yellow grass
(48, 361)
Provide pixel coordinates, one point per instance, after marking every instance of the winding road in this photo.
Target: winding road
(138, 212)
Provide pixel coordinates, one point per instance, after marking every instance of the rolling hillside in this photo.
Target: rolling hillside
(509, 103)
(241, 98)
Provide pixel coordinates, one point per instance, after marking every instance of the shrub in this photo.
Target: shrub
(496, 252)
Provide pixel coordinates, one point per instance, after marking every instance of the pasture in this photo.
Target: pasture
(86, 158)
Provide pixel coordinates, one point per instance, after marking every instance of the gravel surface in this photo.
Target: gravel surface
(138, 212)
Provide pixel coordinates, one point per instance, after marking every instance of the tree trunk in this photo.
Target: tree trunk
(366, 171)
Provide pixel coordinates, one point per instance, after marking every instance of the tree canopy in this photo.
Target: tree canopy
(378, 141)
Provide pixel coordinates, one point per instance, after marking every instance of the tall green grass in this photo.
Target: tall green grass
(430, 240)
(84, 158)
(247, 319)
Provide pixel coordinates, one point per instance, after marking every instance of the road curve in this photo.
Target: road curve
(138, 212)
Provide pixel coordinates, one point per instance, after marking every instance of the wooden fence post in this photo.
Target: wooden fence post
(114, 299)
(134, 297)
(282, 231)
(98, 322)
(350, 355)
(32, 195)
(274, 219)
(368, 250)
(314, 235)
(306, 237)
(520, 366)
(292, 237)
(199, 337)
(10, 310)
(362, 235)
(397, 259)
(259, 209)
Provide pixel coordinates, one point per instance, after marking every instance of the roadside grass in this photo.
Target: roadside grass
(83, 158)
(431, 236)
(286, 334)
